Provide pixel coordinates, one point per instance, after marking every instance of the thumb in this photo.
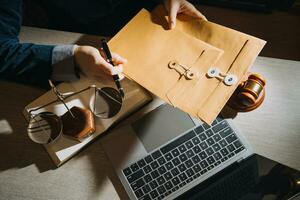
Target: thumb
(174, 7)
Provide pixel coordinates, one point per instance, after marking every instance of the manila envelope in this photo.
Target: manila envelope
(196, 46)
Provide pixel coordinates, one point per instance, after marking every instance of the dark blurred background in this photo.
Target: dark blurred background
(276, 21)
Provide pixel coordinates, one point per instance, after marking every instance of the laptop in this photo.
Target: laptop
(166, 153)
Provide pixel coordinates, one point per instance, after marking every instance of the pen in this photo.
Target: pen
(109, 59)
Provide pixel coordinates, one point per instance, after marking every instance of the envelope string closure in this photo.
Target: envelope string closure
(228, 79)
(182, 70)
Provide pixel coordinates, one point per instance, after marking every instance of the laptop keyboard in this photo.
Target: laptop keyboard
(183, 160)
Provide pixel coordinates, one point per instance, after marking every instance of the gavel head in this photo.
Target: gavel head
(250, 90)
(249, 94)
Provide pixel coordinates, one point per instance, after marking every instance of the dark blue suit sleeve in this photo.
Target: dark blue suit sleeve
(26, 63)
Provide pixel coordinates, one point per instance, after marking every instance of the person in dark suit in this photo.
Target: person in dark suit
(35, 64)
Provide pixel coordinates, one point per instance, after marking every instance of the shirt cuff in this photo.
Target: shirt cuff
(63, 66)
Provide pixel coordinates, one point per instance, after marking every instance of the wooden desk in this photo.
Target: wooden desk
(274, 128)
(26, 171)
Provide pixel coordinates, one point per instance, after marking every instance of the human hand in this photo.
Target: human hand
(175, 7)
(92, 64)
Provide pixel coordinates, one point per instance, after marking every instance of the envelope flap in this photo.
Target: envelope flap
(149, 48)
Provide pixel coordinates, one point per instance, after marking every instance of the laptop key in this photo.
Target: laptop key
(217, 156)
(203, 145)
(156, 154)
(176, 161)
(182, 148)
(168, 185)
(231, 138)
(196, 140)
(210, 141)
(209, 133)
(154, 164)
(237, 144)
(189, 144)
(168, 176)
(168, 192)
(210, 160)
(225, 132)
(217, 163)
(183, 157)
(161, 180)
(134, 167)
(162, 170)
(224, 152)
(168, 156)
(146, 197)
(169, 165)
(190, 172)
(216, 147)
(197, 168)
(189, 163)
(147, 178)
(161, 197)
(203, 171)
(141, 163)
(161, 189)
(175, 181)
(135, 176)
(182, 176)
(146, 189)
(153, 184)
(230, 155)
(154, 194)
(147, 169)
(220, 126)
(203, 155)
(161, 160)
(149, 159)
(202, 137)
(196, 159)
(182, 167)
(217, 137)
(127, 171)
(189, 179)
(175, 152)
(154, 174)
(224, 158)
(178, 142)
(137, 184)
(175, 171)
(209, 151)
(190, 153)
(199, 129)
(203, 164)
(196, 149)
(210, 167)
(239, 150)
(139, 193)
(223, 143)
(231, 148)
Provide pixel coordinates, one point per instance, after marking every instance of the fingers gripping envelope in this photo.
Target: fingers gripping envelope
(195, 67)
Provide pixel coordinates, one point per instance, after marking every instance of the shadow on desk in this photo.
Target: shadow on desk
(103, 173)
(16, 149)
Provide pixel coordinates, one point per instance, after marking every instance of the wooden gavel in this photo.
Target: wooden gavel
(249, 94)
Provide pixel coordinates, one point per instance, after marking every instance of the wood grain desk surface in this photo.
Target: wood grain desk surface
(26, 171)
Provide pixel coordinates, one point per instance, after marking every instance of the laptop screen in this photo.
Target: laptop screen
(161, 125)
